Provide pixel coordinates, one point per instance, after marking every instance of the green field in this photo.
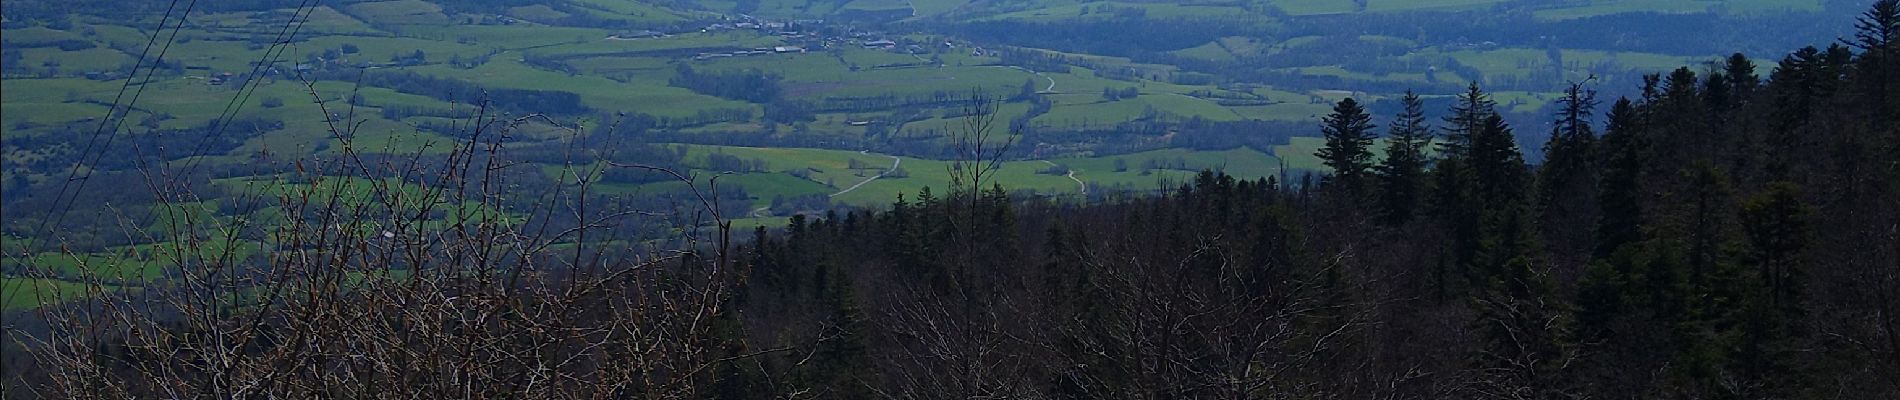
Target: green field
(633, 75)
(1609, 7)
(26, 293)
(1105, 10)
(829, 172)
(621, 58)
(399, 12)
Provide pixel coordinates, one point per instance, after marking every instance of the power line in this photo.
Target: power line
(231, 108)
(279, 45)
(73, 173)
(61, 196)
(114, 133)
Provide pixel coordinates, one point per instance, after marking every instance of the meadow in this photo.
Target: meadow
(633, 75)
(60, 79)
(829, 172)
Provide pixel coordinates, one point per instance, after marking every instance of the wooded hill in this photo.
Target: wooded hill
(1722, 235)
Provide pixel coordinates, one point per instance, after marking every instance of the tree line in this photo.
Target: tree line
(1719, 235)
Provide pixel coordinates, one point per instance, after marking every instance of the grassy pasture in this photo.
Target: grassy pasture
(646, 96)
(414, 12)
(1091, 110)
(27, 293)
(1433, 5)
(877, 5)
(598, 44)
(1004, 112)
(1288, 111)
(1211, 51)
(1610, 7)
(1106, 10)
(380, 49)
(1313, 7)
(935, 7)
(631, 75)
(830, 171)
(631, 10)
(131, 265)
(38, 34)
(325, 19)
(504, 37)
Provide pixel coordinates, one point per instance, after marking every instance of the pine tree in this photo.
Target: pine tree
(1497, 163)
(1620, 191)
(1714, 292)
(1778, 232)
(739, 378)
(1742, 79)
(1348, 151)
(1473, 106)
(1459, 196)
(1706, 222)
(1402, 173)
(1570, 150)
(1877, 69)
(1524, 327)
(1472, 190)
(1795, 86)
(1566, 182)
(1686, 126)
(1600, 299)
(1776, 223)
(839, 362)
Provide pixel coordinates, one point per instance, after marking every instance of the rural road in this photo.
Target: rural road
(895, 161)
(1052, 81)
(763, 212)
(1078, 182)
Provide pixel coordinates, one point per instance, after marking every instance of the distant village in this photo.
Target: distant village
(805, 35)
(801, 36)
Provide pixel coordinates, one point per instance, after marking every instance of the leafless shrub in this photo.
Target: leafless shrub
(401, 277)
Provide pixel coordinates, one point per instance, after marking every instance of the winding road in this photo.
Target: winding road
(1078, 182)
(1052, 81)
(895, 161)
(763, 212)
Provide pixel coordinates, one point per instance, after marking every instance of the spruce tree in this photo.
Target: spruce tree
(1569, 154)
(1458, 197)
(1877, 69)
(1566, 183)
(839, 363)
(1742, 79)
(1524, 326)
(1348, 151)
(1620, 191)
(1497, 164)
(740, 378)
(1473, 106)
(1402, 173)
(1713, 294)
(1794, 88)
(1776, 223)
